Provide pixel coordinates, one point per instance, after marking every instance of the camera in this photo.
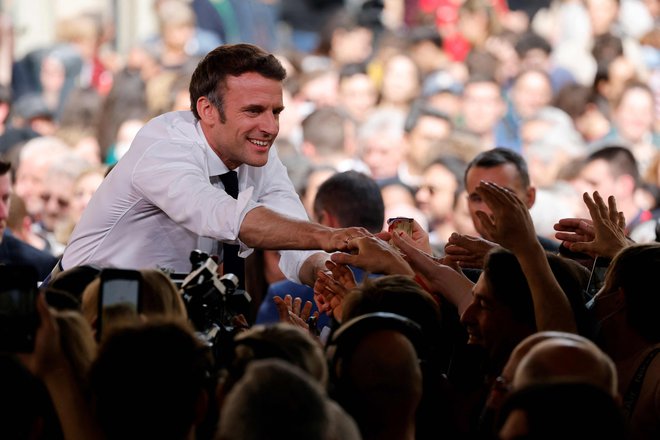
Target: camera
(213, 303)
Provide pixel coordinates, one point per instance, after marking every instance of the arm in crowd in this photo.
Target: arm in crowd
(49, 363)
(511, 225)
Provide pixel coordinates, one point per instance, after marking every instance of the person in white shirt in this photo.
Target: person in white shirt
(158, 203)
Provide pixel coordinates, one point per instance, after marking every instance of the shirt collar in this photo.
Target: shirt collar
(215, 166)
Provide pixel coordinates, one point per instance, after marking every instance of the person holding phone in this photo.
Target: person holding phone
(159, 203)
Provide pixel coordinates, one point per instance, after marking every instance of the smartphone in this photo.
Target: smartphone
(404, 224)
(119, 293)
(19, 318)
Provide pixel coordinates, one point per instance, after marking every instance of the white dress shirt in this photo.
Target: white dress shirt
(157, 202)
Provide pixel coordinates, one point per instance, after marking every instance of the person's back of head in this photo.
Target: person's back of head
(634, 270)
(274, 400)
(376, 374)
(151, 380)
(567, 360)
(281, 341)
(396, 294)
(353, 198)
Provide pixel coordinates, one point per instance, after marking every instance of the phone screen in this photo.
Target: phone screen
(119, 297)
(121, 292)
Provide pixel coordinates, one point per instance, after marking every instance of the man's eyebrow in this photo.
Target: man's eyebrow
(253, 108)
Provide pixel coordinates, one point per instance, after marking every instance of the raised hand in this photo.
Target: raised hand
(329, 294)
(607, 233)
(510, 224)
(292, 311)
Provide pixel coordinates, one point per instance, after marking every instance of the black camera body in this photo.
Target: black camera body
(213, 303)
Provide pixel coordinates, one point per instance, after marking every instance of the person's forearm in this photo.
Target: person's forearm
(552, 308)
(454, 287)
(266, 229)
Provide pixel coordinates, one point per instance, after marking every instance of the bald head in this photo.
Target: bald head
(562, 359)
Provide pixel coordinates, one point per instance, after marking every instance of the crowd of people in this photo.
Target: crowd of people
(521, 140)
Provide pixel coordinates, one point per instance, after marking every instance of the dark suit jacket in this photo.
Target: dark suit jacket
(15, 251)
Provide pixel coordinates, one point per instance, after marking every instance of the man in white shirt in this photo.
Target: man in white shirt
(158, 203)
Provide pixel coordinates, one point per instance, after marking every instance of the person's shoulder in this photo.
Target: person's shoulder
(19, 252)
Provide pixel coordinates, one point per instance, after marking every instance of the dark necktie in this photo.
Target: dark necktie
(232, 263)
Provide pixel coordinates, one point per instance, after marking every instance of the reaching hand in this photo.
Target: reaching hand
(419, 237)
(605, 236)
(340, 238)
(574, 230)
(329, 294)
(293, 312)
(467, 251)
(374, 255)
(510, 224)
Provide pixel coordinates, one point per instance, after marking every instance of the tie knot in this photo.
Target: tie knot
(230, 181)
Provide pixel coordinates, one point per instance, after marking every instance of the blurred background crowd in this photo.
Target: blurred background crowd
(399, 97)
(407, 91)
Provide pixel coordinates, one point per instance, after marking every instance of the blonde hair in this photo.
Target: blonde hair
(159, 297)
(78, 344)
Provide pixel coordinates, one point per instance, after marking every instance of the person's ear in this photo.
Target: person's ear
(531, 197)
(328, 219)
(206, 110)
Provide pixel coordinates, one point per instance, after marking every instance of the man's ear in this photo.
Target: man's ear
(206, 110)
(328, 219)
(531, 197)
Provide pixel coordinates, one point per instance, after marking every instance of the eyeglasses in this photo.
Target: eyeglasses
(62, 203)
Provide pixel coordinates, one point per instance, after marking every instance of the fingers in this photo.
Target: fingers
(343, 258)
(282, 308)
(296, 306)
(306, 311)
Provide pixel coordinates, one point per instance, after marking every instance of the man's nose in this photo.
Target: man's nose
(270, 124)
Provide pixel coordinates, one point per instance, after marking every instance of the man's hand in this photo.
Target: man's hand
(466, 251)
(293, 312)
(419, 237)
(604, 237)
(329, 294)
(510, 224)
(374, 255)
(340, 238)
(574, 230)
